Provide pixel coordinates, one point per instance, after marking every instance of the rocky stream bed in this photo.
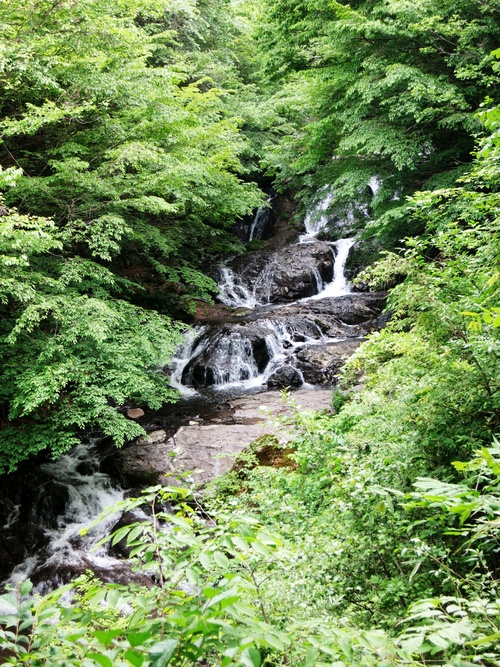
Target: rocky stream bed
(287, 318)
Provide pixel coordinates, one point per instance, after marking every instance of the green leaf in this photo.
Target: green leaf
(134, 657)
(311, 657)
(485, 640)
(221, 559)
(103, 660)
(162, 653)
(138, 638)
(105, 637)
(26, 587)
(250, 658)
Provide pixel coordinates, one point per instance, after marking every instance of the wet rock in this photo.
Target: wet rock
(231, 353)
(285, 376)
(87, 468)
(209, 449)
(320, 364)
(292, 273)
(53, 575)
(30, 504)
(348, 310)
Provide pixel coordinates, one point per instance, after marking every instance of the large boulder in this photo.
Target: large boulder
(230, 353)
(292, 273)
(347, 311)
(285, 376)
(320, 364)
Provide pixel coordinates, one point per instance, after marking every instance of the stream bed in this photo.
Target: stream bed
(287, 318)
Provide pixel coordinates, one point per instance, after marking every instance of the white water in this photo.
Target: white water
(233, 292)
(89, 494)
(192, 345)
(339, 285)
(259, 222)
(375, 183)
(232, 361)
(234, 366)
(317, 219)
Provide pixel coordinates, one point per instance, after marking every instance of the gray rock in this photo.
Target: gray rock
(209, 449)
(285, 376)
(288, 274)
(320, 364)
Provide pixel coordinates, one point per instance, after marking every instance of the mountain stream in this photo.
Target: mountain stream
(287, 318)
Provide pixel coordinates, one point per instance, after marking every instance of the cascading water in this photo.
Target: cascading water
(232, 361)
(262, 284)
(234, 353)
(339, 285)
(317, 219)
(242, 357)
(375, 183)
(88, 493)
(233, 292)
(260, 221)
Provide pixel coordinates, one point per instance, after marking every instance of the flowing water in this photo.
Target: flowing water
(87, 492)
(317, 219)
(233, 292)
(260, 222)
(231, 356)
(339, 285)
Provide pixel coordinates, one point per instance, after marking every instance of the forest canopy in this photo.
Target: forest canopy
(123, 169)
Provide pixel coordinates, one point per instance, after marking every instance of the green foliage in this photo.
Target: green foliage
(432, 374)
(205, 605)
(121, 165)
(229, 591)
(134, 157)
(377, 89)
(70, 352)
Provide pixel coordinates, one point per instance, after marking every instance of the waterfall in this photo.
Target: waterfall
(88, 493)
(232, 354)
(339, 285)
(375, 183)
(192, 345)
(317, 219)
(233, 292)
(260, 221)
(262, 284)
(243, 356)
(318, 279)
(221, 359)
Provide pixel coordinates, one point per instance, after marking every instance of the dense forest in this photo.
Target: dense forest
(134, 136)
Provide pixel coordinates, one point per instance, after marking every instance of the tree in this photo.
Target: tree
(123, 178)
(387, 90)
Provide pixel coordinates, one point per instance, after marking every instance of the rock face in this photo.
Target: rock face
(283, 345)
(32, 504)
(208, 448)
(292, 273)
(320, 364)
(343, 311)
